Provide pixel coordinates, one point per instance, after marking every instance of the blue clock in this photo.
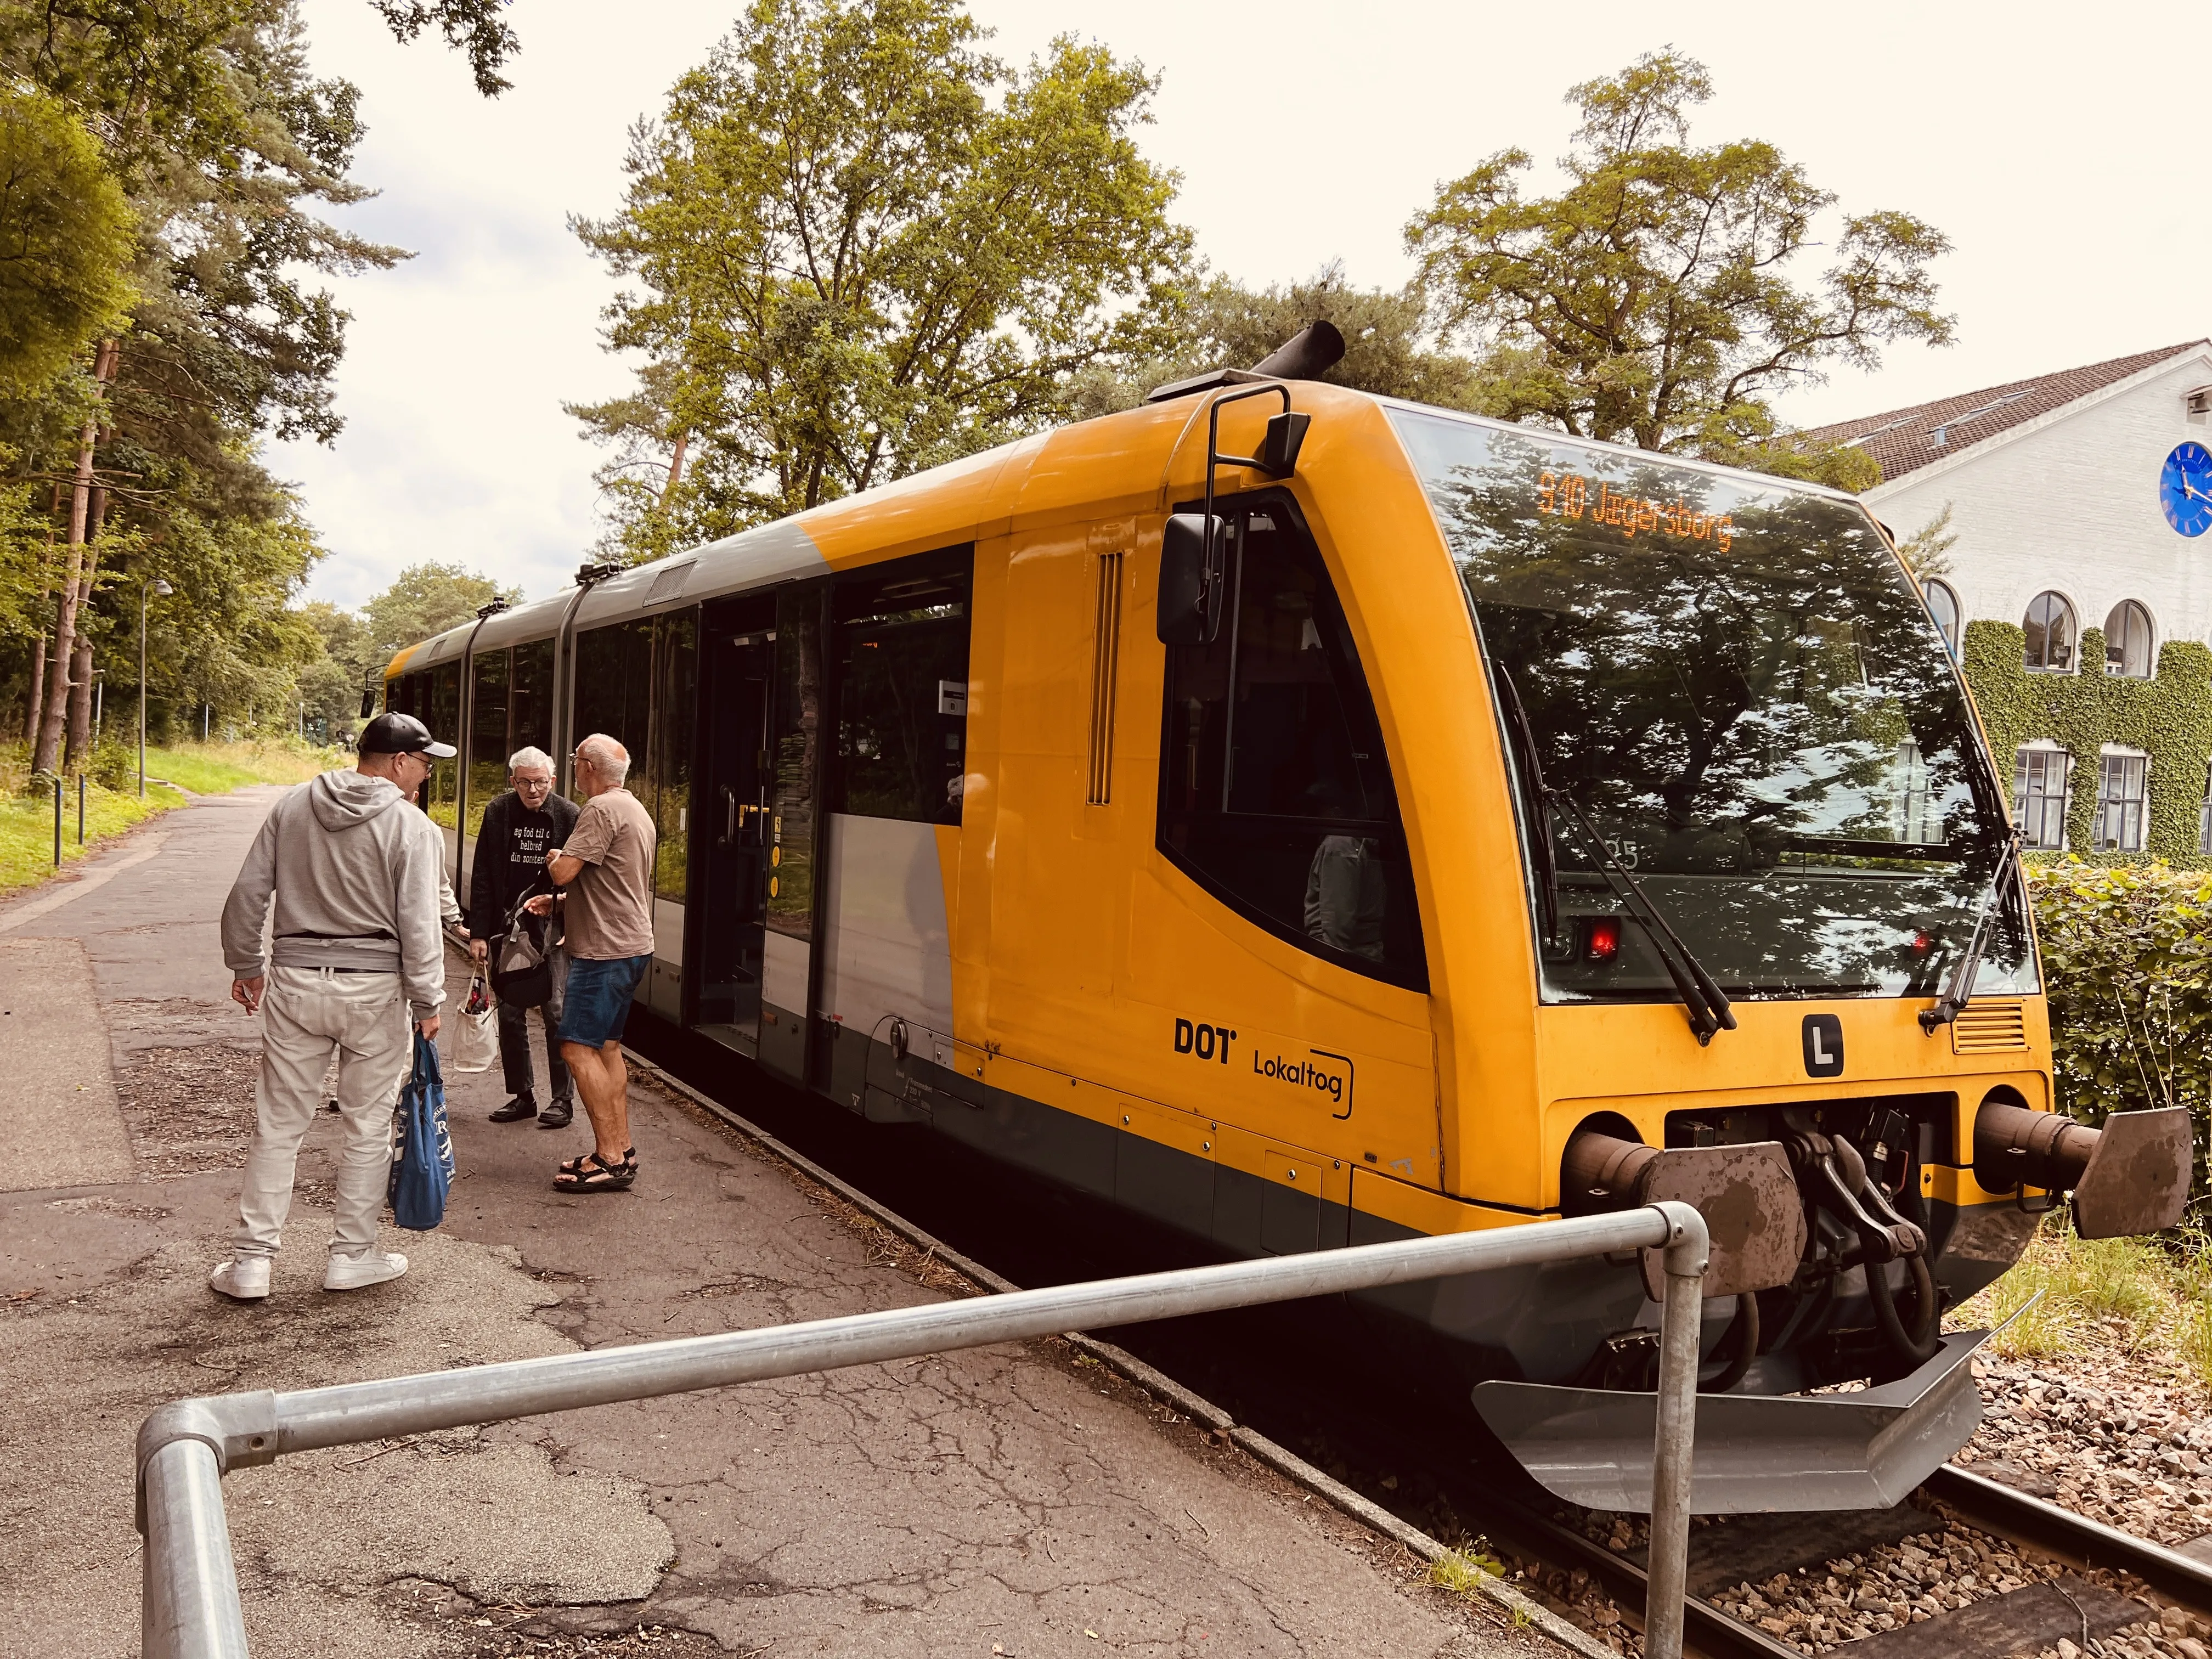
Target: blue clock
(2184, 489)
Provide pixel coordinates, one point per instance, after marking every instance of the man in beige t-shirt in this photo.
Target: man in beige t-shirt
(604, 872)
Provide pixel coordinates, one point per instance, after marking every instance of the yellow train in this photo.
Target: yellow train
(1304, 818)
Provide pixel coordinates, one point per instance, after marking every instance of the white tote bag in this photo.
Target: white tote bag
(476, 1037)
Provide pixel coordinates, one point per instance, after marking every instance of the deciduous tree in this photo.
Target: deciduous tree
(863, 246)
(65, 240)
(1656, 299)
(1389, 346)
(425, 599)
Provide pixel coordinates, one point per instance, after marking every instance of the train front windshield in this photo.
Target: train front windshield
(1738, 690)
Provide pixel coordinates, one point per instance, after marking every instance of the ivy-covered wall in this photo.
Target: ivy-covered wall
(2168, 717)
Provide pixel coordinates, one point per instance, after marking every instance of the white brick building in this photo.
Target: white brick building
(2054, 487)
(2081, 502)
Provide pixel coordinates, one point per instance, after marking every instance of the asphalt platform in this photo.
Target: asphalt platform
(1020, 1501)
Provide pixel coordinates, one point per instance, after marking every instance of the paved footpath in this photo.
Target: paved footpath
(1018, 1501)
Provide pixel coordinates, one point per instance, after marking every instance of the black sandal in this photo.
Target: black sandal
(575, 1166)
(593, 1174)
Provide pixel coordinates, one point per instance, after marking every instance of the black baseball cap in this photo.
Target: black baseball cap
(402, 734)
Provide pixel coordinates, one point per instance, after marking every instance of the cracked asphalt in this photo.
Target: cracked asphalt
(1015, 1501)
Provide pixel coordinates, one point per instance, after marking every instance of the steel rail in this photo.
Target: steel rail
(2010, 1514)
(191, 1608)
(1974, 1499)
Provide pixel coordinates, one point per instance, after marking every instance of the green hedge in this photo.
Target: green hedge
(2169, 718)
(2127, 963)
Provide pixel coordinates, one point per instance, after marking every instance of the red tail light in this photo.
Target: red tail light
(1601, 939)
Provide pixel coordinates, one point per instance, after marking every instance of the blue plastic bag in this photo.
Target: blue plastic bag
(422, 1169)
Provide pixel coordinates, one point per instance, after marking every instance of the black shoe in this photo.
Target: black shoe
(521, 1107)
(559, 1115)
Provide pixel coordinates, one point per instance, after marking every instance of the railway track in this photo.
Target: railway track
(2034, 1616)
(2109, 1580)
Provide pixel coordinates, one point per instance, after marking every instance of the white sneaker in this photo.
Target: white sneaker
(352, 1273)
(242, 1278)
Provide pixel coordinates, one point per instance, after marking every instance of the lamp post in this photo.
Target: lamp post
(159, 589)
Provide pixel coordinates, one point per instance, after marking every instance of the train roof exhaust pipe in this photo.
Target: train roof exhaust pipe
(1306, 356)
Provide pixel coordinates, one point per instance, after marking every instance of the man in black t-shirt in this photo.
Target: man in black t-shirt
(519, 827)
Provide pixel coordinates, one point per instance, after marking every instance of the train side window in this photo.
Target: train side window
(442, 792)
(488, 751)
(614, 694)
(902, 704)
(1275, 792)
(531, 698)
(679, 681)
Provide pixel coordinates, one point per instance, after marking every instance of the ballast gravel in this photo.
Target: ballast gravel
(2119, 1439)
(1819, 1608)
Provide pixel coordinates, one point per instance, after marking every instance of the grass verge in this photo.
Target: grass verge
(26, 828)
(2119, 1295)
(26, 820)
(215, 769)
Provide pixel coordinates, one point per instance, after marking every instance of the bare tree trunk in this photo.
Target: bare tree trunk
(36, 694)
(79, 748)
(80, 671)
(676, 465)
(47, 757)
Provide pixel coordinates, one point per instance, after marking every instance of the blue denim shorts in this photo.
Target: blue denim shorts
(595, 1002)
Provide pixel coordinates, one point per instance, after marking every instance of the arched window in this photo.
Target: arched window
(2050, 633)
(2128, 641)
(1943, 605)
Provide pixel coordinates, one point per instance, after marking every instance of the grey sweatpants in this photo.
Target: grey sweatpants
(306, 1013)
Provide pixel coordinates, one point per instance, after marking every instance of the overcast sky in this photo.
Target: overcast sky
(2060, 149)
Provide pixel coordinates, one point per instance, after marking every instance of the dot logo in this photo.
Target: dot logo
(1824, 1046)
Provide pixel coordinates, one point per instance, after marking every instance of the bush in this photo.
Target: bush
(2127, 963)
(115, 765)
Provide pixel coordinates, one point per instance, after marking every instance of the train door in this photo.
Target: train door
(898, 652)
(734, 828)
(797, 724)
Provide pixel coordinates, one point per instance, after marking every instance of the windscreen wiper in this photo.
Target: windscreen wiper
(1703, 1000)
(1959, 990)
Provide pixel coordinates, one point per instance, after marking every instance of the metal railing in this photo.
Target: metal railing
(191, 1608)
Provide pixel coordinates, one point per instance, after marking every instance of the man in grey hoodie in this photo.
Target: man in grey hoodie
(358, 879)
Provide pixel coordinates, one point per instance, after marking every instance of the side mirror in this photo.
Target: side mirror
(1278, 450)
(368, 702)
(1191, 559)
